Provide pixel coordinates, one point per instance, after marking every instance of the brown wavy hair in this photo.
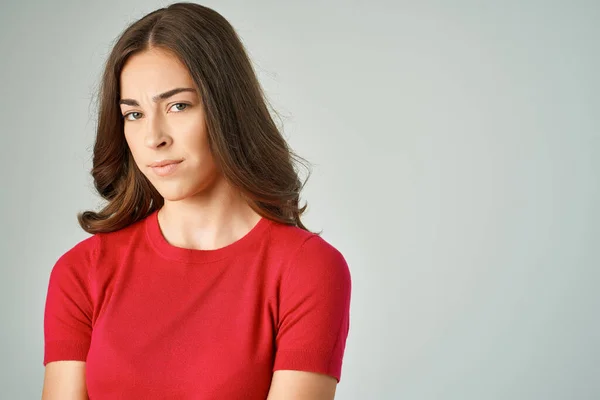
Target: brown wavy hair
(249, 150)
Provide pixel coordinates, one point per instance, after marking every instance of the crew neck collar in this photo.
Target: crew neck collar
(180, 254)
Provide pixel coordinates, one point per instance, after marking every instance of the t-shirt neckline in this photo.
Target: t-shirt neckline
(180, 254)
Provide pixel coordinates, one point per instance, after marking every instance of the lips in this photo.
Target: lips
(163, 163)
(165, 168)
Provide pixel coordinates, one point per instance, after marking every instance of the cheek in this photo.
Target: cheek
(134, 148)
(194, 141)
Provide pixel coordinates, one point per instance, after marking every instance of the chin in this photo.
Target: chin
(181, 188)
(172, 197)
(174, 191)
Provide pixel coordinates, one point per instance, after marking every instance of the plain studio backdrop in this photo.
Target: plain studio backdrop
(455, 151)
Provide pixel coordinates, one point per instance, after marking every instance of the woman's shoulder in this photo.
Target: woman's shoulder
(83, 249)
(75, 264)
(298, 242)
(87, 250)
(313, 268)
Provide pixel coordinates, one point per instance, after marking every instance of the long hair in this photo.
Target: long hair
(248, 148)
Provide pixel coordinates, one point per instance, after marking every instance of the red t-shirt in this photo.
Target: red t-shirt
(155, 321)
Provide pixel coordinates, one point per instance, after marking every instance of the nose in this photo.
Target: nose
(156, 134)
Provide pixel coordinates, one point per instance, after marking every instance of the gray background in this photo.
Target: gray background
(455, 151)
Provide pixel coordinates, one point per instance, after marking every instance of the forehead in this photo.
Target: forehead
(153, 71)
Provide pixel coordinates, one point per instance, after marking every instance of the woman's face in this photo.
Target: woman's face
(164, 120)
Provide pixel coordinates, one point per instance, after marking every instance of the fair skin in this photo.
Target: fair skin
(201, 210)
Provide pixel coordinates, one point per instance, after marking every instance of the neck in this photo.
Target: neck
(207, 220)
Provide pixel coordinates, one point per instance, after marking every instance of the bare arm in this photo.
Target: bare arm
(64, 380)
(301, 385)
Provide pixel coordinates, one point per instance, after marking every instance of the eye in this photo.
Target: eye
(126, 116)
(180, 108)
(137, 115)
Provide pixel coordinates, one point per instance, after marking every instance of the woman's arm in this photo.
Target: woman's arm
(301, 385)
(64, 380)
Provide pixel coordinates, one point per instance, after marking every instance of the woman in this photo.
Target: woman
(199, 280)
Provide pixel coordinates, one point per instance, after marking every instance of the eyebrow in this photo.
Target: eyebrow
(162, 96)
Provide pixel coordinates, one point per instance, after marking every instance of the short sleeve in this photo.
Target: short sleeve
(68, 308)
(314, 310)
